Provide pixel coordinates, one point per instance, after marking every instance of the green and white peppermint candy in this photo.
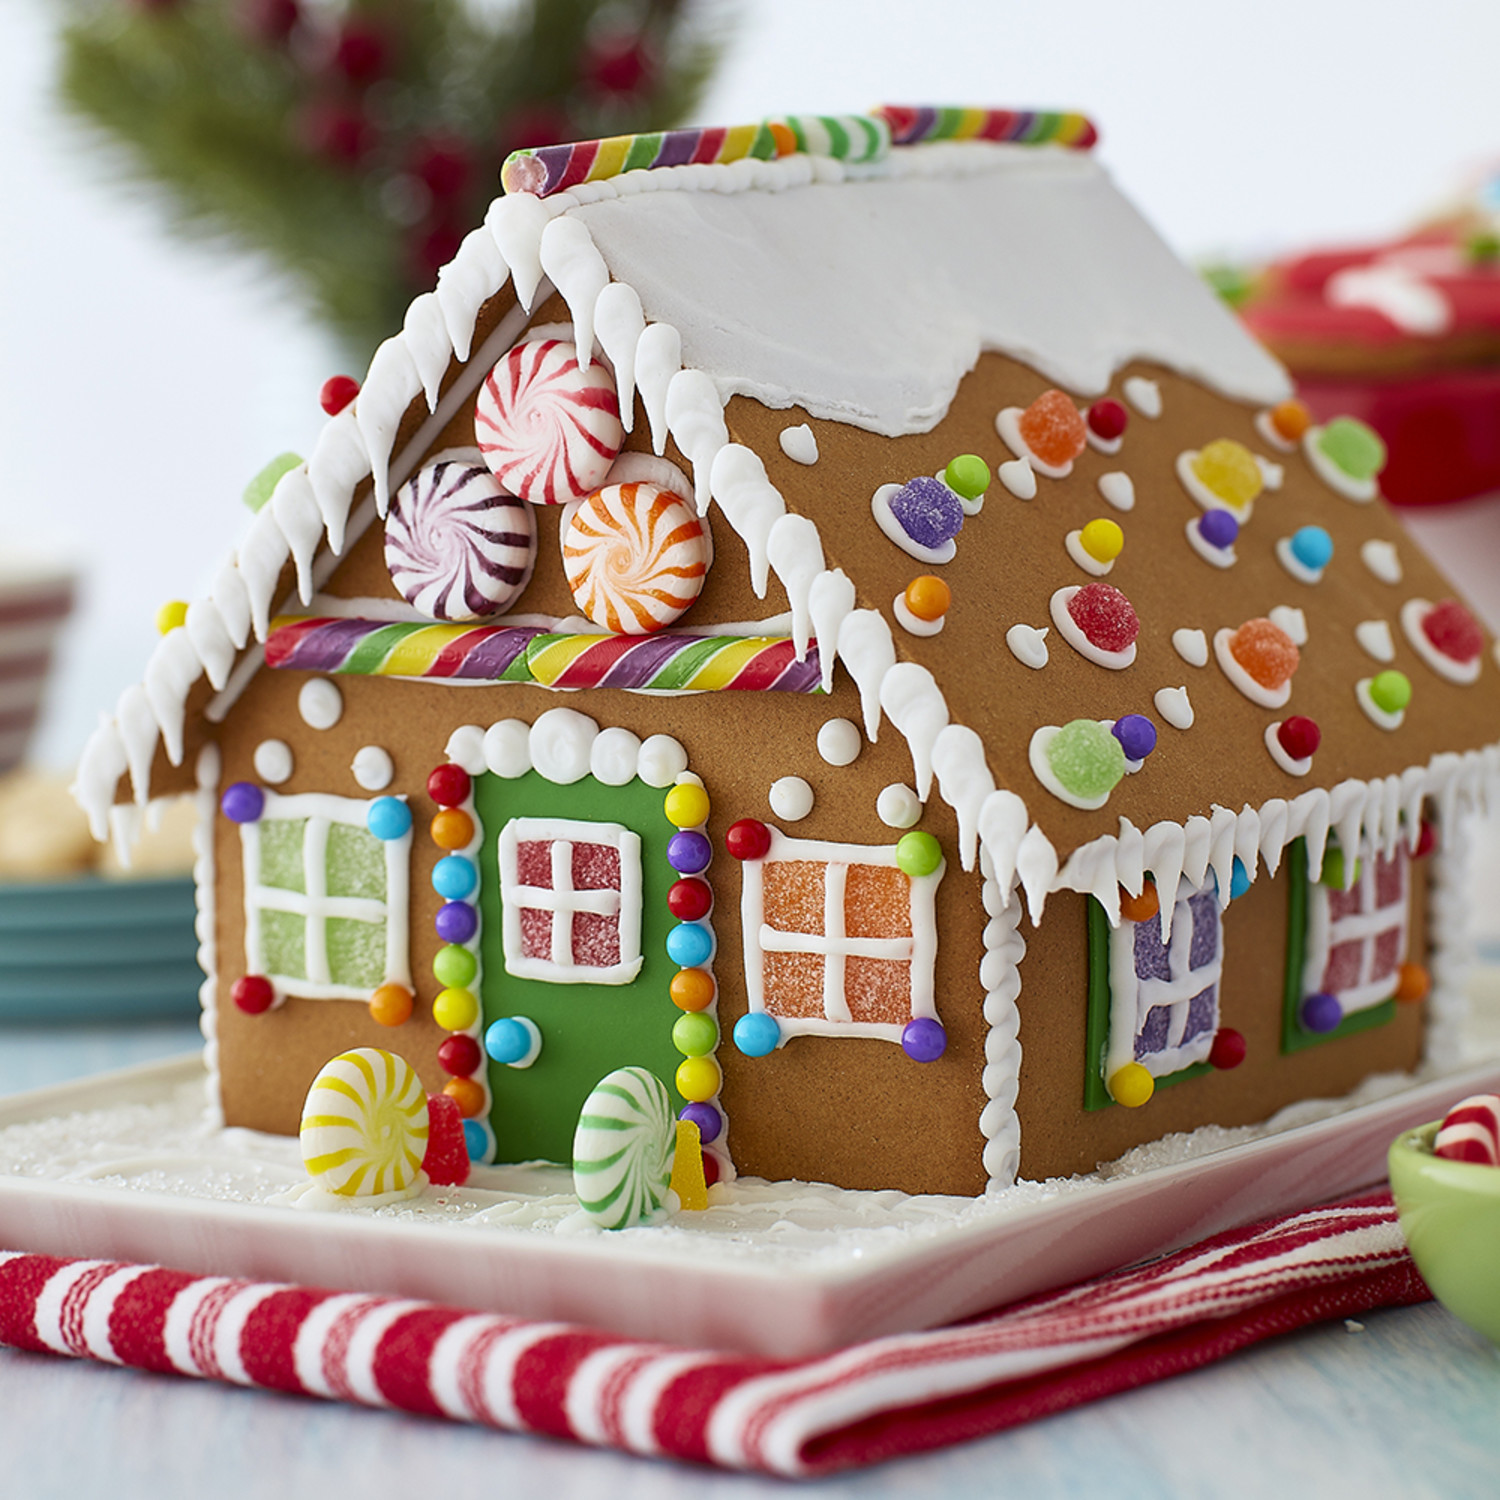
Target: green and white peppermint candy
(623, 1149)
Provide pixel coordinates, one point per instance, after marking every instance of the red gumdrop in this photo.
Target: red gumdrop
(1107, 419)
(1453, 631)
(1266, 652)
(459, 1055)
(689, 899)
(1105, 616)
(449, 785)
(1299, 737)
(1052, 429)
(1228, 1050)
(253, 994)
(748, 839)
(338, 391)
(447, 1160)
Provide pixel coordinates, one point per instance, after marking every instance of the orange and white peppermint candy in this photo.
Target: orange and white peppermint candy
(1471, 1131)
(548, 430)
(635, 556)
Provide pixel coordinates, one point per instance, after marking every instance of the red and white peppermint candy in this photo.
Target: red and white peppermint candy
(457, 546)
(548, 430)
(1471, 1131)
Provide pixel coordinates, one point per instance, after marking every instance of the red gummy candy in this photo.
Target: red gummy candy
(1107, 419)
(1266, 652)
(1299, 737)
(1453, 631)
(1052, 429)
(1105, 616)
(447, 1160)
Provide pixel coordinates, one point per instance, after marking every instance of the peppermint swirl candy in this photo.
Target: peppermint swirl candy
(457, 546)
(364, 1125)
(624, 1148)
(635, 556)
(547, 429)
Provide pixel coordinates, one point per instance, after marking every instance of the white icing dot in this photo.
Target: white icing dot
(839, 742)
(615, 757)
(1118, 488)
(1291, 620)
(1144, 395)
(320, 703)
(1028, 645)
(373, 768)
(507, 748)
(791, 798)
(1374, 636)
(561, 742)
(662, 760)
(1191, 646)
(1172, 704)
(898, 807)
(799, 444)
(273, 761)
(1382, 559)
(465, 749)
(1018, 477)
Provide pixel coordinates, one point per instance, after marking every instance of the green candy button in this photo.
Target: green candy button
(695, 1034)
(1390, 691)
(1352, 447)
(454, 967)
(918, 854)
(258, 491)
(967, 475)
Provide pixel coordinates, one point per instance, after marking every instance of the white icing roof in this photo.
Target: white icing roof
(1039, 258)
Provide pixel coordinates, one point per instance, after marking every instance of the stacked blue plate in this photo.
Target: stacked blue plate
(98, 950)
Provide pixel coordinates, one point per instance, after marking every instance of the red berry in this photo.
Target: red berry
(1105, 616)
(433, 249)
(534, 125)
(689, 899)
(748, 839)
(359, 52)
(1299, 737)
(447, 1160)
(1453, 631)
(337, 132)
(1107, 419)
(444, 164)
(269, 21)
(338, 391)
(449, 785)
(253, 994)
(459, 1055)
(1228, 1050)
(621, 65)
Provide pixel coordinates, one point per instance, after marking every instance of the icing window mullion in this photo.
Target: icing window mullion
(563, 905)
(315, 876)
(835, 1001)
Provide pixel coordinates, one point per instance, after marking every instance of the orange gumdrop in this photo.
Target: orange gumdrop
(1290, 419)
(1266, 652)
(466, 1094)
(1053, 428)
(1140, 908)
(928, 598)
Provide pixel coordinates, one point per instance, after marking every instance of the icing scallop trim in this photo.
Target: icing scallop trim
(1462, 673)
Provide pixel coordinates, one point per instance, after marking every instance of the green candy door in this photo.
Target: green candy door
(579, 862)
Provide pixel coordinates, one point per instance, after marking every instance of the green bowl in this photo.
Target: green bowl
(1450, 1214)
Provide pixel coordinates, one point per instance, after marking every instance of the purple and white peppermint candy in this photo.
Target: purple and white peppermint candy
(457, 545)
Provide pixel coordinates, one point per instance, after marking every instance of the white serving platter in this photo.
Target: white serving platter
(772, 1269)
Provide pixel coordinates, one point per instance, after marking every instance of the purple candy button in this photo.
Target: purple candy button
(924, 1040)
(243, 802)
(928, 511)
(1218, 528)
(1322, 1012)
(708, 1120)
(689, 852)
(1136, 734)
(456, 922)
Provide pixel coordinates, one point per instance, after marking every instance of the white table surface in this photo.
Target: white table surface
(1408, 1407)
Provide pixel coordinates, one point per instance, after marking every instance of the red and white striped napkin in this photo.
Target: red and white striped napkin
(892, 1396)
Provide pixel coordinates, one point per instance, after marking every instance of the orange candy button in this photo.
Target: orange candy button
(692, 989)
(390, 1005)
(452, 828)
(1412, 983)
(468, 1095)
(1266, 652)
(1290, 419)
(928, 598)
(1140, 908)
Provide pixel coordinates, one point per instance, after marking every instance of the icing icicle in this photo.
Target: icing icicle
(796, 554)
(577, 270)
(1002, 825)
(912, 698)
(391, 386)
(296, 510)
(831, 602)
(515, 228)
(965, 782)
(868, 653)
(619, 323)
(658, 357)
(695, 416)
(339, 461)
(750, 502)
(426, 334)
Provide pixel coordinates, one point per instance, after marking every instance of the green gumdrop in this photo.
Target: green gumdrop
(695, 1034)
(967, 475)
(454, 967)
(1332, 873)
(1086, 758)
(1391, 691)
(1352, 447)
(258, 491)
(918, 854)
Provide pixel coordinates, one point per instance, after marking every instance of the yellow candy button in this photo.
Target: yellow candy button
(455, 1009)
(1131, 1085)
(1102, 539)
(698, 1079)
(687, 805)
(172, 614)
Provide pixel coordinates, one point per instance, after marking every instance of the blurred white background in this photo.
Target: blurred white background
(143, 382)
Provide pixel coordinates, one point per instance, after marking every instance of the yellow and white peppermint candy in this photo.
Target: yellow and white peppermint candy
(623, 1149)
(364, 1125)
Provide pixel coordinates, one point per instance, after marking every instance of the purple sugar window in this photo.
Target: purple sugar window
(1205, 946)
(1203, 1013)
(1151, 958)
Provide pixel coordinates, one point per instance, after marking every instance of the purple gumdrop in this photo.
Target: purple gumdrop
(689, 852)
(924, 1040)
(243, 802)
(456, 922)
(1322, 1012)
(1136, 734)
(1218, 528)
(708, 1120)
(928, 511)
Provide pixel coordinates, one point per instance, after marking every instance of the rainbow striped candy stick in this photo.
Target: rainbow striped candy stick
(911, 124)
(544, 170)
(675, 663)
(404, 648)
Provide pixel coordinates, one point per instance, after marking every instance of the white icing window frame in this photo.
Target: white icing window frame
(322, 810)
(920, 949)
(1325, 934)
(625, 903)
(1132, 999)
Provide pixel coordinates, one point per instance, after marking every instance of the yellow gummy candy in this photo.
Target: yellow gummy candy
(688, 1181)
(1229, 469)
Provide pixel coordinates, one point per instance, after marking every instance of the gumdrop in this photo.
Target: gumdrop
(1053, 430)
(1290, 419)
(1228, 469)
(1086, 758)
(1105, 616)
(1108, 419)
(928, 511)
(1218, 528)
(1266, 652)
(1453, 631)
(1352, 448)
(1299, 737)
(447, 1160)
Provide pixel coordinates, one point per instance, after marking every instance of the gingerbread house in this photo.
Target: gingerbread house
(836, 616)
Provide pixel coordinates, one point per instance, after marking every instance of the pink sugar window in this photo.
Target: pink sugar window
(1356, 939)
(570, 894)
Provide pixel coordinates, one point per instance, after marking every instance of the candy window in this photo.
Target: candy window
(325, 899)
(838, 940)
(571, 897)
(1356, 939)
